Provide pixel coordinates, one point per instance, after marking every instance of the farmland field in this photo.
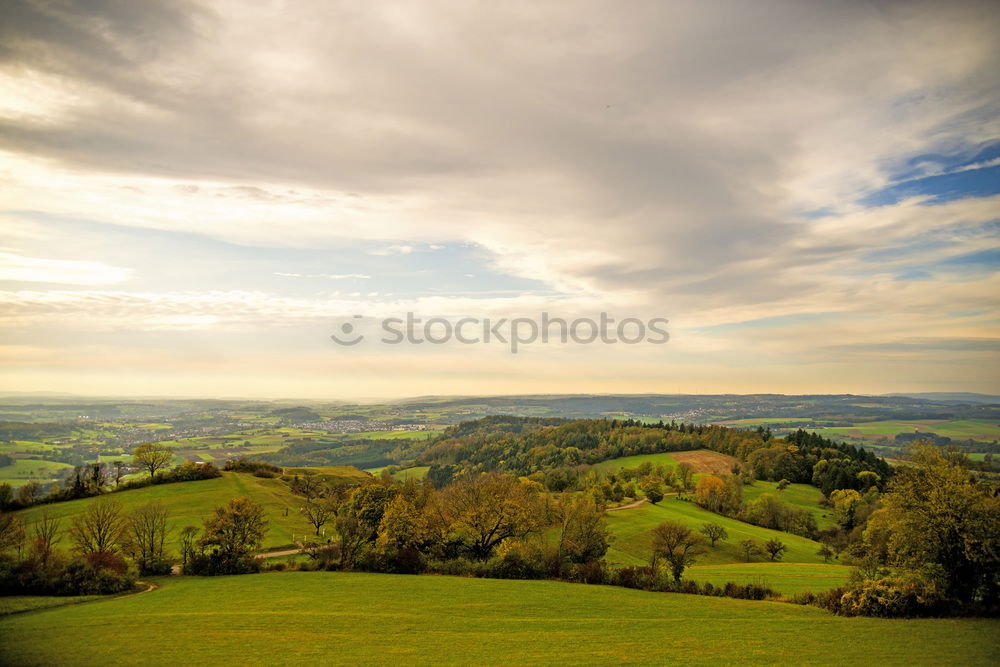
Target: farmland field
(355, 618)
(24, 470)
(614, 465)
(961, 429)
(630, 529)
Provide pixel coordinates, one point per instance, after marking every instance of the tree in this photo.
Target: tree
(100, 528)
(147, 532)
(750, 549)
(29, 494)
(825, 552)
(319, 512)
(189, 545)
(939, 524)
(685, 476)
(678, 545)
(152, 456)
(489, 509)
(783, 484)
(583, 530)
(233, 533)
(710, 493)
(775, 548)
(845, 504)
(6, 496)
(11, 532)
(119, 470)
(714, 532)
(651, 488)
(44, 533)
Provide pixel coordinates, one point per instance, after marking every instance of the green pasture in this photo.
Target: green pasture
(801, 496)
(959, 429)
(614, 465)
(25, 470)
(375, 619)
(191, 502)
(632, 539)
(786, 578)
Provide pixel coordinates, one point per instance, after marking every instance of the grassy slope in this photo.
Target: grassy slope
(191, 502)
(614, 465)
(24, 470)
(354, 618)
(632, 540)
(803, 496)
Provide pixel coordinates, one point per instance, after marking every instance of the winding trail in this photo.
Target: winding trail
(149, 586)
(629, 506)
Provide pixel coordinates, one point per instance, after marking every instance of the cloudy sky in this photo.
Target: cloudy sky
(195, 195)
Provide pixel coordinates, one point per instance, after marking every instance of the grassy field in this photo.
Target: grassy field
(614, 465)
(957, 429)
(355, 618)
(631, 543)
(190, 502)
(802, 496)
(785, 578)
(416, 472)
(25, 470)
(15, 604)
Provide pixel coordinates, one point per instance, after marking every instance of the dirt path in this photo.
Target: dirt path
(148, 587)
(629, 506)
(275, 554)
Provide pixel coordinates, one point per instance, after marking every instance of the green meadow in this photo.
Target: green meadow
(374, 619)
(190, 502)
(632, 541)
(25, 470)
(614, 465)
(957, 429)
(802, 496)
(786, 578)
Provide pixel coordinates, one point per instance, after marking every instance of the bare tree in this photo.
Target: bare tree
(318, 512)
(714, 532)
(45, 532)
(100, 528)
(11, 532)
(119, 470)
(147, 533)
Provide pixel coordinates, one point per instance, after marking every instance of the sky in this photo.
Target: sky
(194, 196)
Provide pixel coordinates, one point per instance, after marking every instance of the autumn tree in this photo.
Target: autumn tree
(100, 528)
(490, 508)
(29, 494)
(152, 457)
(651, 488)
(146, 528)
(714, 532)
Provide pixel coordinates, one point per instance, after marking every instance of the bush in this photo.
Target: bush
(892, 597)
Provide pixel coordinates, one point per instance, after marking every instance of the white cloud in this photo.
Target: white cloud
(61, 271)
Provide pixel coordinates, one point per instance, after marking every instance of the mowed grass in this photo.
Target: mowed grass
(369, 619)
(190, 503)
(802, 496)
(788, 579)
(416, 472)
(632, 539)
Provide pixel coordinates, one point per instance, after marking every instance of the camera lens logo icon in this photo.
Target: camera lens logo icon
(347, 329)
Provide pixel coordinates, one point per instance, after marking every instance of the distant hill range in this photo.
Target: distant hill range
(953, 397)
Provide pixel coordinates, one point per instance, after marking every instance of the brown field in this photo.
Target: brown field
(706, 461)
